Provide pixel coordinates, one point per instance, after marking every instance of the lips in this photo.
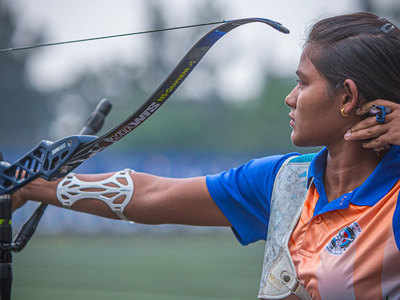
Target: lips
(292, 122)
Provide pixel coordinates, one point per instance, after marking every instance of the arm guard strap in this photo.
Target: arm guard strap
(115, 191)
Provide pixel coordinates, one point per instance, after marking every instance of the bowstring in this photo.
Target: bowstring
(9, 50)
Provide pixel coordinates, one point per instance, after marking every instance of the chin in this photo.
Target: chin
(300, 144)
(296, 140)
(300, 141)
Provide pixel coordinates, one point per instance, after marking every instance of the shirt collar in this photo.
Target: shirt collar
(318, 165)
(374, 188)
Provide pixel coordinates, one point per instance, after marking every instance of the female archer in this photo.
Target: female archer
(331, 219)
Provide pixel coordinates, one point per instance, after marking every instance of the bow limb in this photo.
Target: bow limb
(54, 160)
(167, 88)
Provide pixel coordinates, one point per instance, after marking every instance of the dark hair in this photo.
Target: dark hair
(361, 47)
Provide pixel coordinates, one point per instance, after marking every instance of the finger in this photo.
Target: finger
(368, 122)
(367, 106)
(379, 149)
(386, 147)
(376, 143)
(367, 133)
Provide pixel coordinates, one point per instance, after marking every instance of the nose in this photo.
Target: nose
(291, 99)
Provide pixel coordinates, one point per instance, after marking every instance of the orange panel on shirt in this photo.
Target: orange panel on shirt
(348, 253)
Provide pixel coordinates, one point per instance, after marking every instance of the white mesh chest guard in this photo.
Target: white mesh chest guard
(116, 191)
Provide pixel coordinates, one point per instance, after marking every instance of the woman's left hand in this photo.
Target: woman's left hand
(379, 136)
(17, 201)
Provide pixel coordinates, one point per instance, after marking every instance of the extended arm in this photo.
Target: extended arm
(156, 200)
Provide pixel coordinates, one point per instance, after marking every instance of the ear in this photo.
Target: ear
(350, 98)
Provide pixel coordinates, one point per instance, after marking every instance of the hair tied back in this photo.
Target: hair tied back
(387, 28)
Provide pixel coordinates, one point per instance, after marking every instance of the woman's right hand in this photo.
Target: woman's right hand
(377, 136)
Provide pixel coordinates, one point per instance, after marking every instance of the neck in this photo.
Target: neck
(348, 166)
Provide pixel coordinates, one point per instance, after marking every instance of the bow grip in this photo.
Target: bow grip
(47, 160)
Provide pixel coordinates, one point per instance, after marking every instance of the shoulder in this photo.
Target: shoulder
(257, 169)
(295, 163)
(256, 177)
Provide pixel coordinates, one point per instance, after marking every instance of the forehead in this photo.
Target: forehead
(306, 68)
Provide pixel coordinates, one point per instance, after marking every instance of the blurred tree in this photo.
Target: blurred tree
(258, 126)
(214, 124)
(389, 8)
(158, 44)
(22, 107)
(127, 86)
(164, 49)
(367, 5)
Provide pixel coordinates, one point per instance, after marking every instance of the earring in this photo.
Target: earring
(344, 115)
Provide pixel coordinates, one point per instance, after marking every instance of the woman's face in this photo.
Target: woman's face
(314, 112)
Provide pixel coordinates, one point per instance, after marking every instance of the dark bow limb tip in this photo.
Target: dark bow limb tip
(278, 26)
(283, 29)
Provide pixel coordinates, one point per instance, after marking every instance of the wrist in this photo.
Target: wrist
(17, 199)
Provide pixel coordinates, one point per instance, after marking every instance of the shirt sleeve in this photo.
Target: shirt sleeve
(243, 195)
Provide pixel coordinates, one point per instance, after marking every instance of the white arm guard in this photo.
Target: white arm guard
(113, 192)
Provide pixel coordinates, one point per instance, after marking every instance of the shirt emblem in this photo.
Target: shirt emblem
(343, 239)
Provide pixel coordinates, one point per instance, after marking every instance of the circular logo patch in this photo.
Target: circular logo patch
(343, 239)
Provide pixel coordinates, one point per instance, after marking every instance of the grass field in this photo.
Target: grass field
(162, 266)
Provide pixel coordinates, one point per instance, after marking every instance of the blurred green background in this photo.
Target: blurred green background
(206, 266)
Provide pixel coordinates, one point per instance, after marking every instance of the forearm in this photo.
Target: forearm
(155, 200)
(44, 191)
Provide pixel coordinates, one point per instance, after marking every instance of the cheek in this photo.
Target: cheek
(316, 121)
(314, 105)
(307, 112)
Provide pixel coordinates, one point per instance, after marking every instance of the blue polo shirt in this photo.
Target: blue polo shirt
(243, 193)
